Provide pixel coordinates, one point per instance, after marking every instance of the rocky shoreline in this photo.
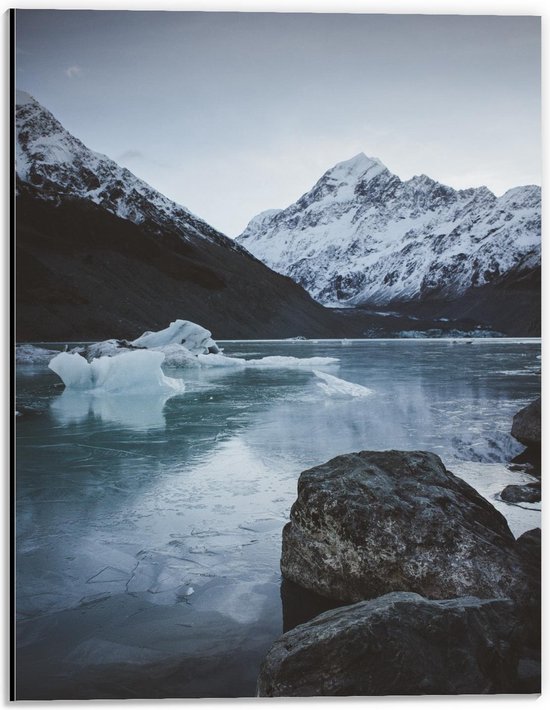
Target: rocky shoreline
(433, 593)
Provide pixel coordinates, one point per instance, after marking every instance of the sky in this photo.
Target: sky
(231, 114)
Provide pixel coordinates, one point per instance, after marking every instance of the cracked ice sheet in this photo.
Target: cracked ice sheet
(212, 521)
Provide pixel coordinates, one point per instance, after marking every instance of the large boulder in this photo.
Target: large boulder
(526, 424)
(373, 522)
(398, 644)
(529, 545)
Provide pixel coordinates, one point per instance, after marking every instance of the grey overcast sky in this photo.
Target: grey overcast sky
(234, 113)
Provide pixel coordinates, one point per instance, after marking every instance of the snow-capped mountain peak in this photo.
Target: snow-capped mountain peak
(362, 235)
(340, 183)
(358, 167)
(56, 164)
(22, 98)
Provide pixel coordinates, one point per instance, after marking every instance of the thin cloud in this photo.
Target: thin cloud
(73, 71)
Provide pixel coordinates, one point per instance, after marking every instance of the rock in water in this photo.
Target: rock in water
(369, 523)
(526, 424)
(526, 493)
(398, 644)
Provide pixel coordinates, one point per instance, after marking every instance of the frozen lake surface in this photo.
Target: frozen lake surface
(149, 527)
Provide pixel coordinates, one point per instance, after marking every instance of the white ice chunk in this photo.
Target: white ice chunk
(219, 360)
(32, 355)
(194, 337)
(275, 361)
(340, 389)
(290, 361)
(73, 369)
(105, 347)
(178, 356)
(134, 371)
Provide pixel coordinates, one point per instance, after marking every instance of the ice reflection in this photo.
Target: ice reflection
(133, 411)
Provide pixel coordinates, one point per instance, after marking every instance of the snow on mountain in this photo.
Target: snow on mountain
(100, 252)
(56, 163)
(362, 235)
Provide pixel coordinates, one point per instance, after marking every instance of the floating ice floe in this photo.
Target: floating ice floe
(193, 337)
(138, 371)
(33, 355)
(177, 356)
(219, 360)
(271, 361)
(182, 344)
(290, 361)
(105, 348)
(340, 389)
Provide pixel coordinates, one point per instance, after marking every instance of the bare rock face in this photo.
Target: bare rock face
(526, 425)
(398, 644)
(373, 522)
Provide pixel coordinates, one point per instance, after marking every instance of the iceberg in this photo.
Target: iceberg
(105, 348)
(196, 339)
(179, 356)
(340, 389)
(73, 369)
(134, 371)
(182, 344)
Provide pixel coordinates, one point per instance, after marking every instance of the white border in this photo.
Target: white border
(449, 7)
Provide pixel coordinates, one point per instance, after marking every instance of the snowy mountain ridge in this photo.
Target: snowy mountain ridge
(362, 235)
(56, 163)
(99, 251)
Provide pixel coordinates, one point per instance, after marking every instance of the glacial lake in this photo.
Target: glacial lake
(149, 529)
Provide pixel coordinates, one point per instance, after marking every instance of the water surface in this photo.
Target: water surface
(149, 529)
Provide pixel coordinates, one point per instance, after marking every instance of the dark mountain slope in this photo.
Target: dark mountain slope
(84, 273)
(100, 253)
(511, 304)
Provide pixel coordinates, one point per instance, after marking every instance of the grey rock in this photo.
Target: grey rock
(530, 459)
(369, 523)
(398, 644)
(526, 424)
(526, 467)
(526, 493)
(529, 675)
(529, 545)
